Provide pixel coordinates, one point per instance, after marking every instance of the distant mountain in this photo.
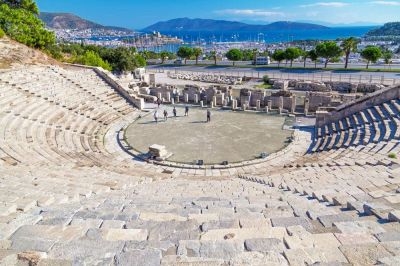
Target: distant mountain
(61, 21)
(187, 24)
(338, 24)
(389, 29)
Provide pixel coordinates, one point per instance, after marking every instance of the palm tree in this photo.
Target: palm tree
(305, 55)
(255, 53)
(163, 55)
(387, 56)
(214, 56)
(349, 45)
(197, 52)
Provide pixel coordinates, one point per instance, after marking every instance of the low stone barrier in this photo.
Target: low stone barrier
(344, 87)
(137, 102)
(358, 105)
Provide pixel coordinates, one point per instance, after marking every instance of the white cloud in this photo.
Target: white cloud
(326, 4)
(386, 3)
(250, 12)
(312, 14)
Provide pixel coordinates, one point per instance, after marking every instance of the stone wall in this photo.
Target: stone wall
(343, 87)
(136, 101)
(191, 91)
(257, 95)
(318, 99)
(166, 92)
(311, 86)
(358, 105)
(281, 85)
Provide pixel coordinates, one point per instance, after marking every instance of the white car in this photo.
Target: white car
(178, 62)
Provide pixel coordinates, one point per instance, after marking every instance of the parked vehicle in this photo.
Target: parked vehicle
(178, 62)
(262, 60)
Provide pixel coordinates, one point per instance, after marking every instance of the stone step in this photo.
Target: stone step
(264, 244)
(174, 260)
(329, 220)
(378, 209)
(364, 254)
(394, 216)
(309, 256)
(291, 221)
(219, 249)
(244, 233)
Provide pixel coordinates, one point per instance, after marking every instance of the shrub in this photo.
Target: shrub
(2, 33)
(54, 51)
(392, 155)
(91, 58)
(25, 27)
(265, 79)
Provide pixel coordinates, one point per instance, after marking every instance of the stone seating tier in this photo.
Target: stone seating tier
(70, 196)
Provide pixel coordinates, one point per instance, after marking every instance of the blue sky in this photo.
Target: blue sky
(137, 14)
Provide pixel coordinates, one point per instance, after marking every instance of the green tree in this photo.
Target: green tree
(387, 55)
(214, 56)
(121, 59)
(72, 49)
(304, 55)
(185, 52)
(312, 54)
(279, 56)
(149, 55)
(255, 54)
(139, 61)
(348, 46)
(163, 55)
(91, 58)
(2, 33)
(292, 53)
(265, 79)
(371, 54)
(328, 50)
(248, 54)
(197, 52)
(28, 5)
(24, 26)
(234, 55)
(54, 51)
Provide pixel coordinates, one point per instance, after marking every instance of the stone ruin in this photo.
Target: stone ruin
(158, 152)
(311, 86)
(281, 85)
(209, 78)
(283, 100)
(326, 86)
(318, 95)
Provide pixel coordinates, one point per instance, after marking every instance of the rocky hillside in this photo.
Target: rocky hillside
(14, 54)
(187, 24)
(61, 21)
(389, 29)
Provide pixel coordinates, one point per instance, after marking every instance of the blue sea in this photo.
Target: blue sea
(274, 36)
(209, 38)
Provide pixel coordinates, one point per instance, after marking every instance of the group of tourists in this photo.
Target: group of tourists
(165, 113)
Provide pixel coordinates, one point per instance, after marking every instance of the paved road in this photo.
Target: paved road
(388, 78)
(297, 64)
